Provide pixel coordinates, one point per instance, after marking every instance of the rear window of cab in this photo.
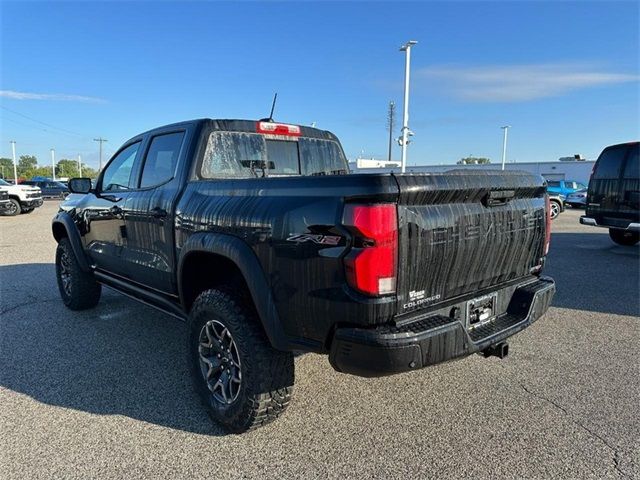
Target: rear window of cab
(609, 162)
(253, 155)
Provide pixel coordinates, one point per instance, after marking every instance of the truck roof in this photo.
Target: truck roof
(635, 142)
(239, 125)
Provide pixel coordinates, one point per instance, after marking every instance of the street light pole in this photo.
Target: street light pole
(101, 141)
(79, 165)
(15, 168)
(504, 144)
(391, 119)
(406, 48)
(53, 163)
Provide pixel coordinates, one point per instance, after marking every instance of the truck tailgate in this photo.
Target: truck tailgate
(461, 232)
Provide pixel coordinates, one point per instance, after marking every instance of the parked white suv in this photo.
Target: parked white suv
(22, 198)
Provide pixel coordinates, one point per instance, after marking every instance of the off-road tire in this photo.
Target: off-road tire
(15, 209)
(623, 237)
(83, 291)
(267, 374)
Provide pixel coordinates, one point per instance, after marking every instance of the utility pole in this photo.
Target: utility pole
(15, 167)
(391, 120)
(79, 165)
(53, 163)
(101, 141)
(505, 129)
(406, 48)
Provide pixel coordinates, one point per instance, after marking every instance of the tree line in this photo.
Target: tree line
(28, 168)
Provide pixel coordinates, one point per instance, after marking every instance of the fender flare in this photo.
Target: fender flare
(64, 219)
(241, 254)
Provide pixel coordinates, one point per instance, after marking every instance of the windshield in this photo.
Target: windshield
(4, 183)
(250, 155)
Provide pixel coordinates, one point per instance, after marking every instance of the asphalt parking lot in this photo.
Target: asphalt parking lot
(106, 393)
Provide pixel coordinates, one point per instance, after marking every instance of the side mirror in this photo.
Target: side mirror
(80, 185)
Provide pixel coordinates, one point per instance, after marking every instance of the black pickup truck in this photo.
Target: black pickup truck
(255, 233)
(613, 197)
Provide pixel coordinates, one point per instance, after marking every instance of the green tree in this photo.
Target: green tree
(26, 165)
(69, 169)
(89, 172)
(39, 172)
(6, 167)
(474, 161)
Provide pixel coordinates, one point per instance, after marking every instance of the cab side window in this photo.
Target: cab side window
(632, 169)
(161, 160)
(118, 173)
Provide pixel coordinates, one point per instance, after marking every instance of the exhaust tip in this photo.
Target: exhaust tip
(500, 350)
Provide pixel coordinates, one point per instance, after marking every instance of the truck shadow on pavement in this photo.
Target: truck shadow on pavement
(123, 358)
(594, 274)
(120, 358)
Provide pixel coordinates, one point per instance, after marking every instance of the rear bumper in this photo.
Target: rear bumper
(388, 350)
(620, 225)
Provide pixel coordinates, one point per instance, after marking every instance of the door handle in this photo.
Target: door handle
(498, 197)
(158, 212)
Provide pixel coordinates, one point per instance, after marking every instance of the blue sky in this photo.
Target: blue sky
(564, 75)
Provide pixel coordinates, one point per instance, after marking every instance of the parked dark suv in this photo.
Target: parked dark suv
(613, 197)
(49, 188)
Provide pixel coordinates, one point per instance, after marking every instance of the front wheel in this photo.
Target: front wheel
(242, 380)
(624, 237)
(78, 289)
(14, 208)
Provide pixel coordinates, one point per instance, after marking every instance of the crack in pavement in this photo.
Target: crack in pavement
(616, 454)
(31, 301)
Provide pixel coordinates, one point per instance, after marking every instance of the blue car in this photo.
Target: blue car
(564, 187)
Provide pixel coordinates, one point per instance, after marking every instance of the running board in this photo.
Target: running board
(155, 300)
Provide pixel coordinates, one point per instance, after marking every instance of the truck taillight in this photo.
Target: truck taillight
(272, 128)
(371, 266)
(547, 224)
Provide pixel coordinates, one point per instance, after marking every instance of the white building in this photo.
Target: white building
(578, 170)
(373, 163)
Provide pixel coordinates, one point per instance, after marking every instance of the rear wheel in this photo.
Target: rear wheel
(79, 290)
(623, 237)
(14, 208)
(242, 380)
(555, 209)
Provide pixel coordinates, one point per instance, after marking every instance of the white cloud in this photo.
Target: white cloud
(48, 96)
(518, 83)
